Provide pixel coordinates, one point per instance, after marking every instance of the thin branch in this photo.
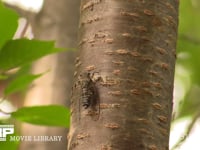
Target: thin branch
(190, 39)
(6, 113)
(188, 131)
(25, 28)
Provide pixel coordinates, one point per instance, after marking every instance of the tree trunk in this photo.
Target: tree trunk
(126, 67)
(54, 22)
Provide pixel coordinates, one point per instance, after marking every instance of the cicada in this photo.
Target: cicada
(89, 95)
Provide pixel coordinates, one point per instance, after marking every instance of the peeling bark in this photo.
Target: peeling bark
(129, 49)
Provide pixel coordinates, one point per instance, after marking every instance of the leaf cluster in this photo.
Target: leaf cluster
(16, 55)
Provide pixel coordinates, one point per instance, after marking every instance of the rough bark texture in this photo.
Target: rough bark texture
(54, 22)
(128, 49)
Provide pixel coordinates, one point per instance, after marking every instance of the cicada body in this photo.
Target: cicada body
(89, 95)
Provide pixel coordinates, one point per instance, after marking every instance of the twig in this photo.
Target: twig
(188, 131)
(190, 39)
(24, 30)
(6, 113)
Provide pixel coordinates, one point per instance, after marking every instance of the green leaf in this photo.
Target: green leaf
(20, 52)
(8, 24)
(50, 115)
(20, 83)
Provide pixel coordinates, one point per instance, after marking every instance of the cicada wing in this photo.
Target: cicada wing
(95, 105)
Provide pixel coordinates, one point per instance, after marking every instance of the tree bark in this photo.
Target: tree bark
(54, 22)
(127, 54)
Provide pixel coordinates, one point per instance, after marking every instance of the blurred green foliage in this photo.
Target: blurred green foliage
(16, 57)
(50, 115)
(188, 50)
(7, 26)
